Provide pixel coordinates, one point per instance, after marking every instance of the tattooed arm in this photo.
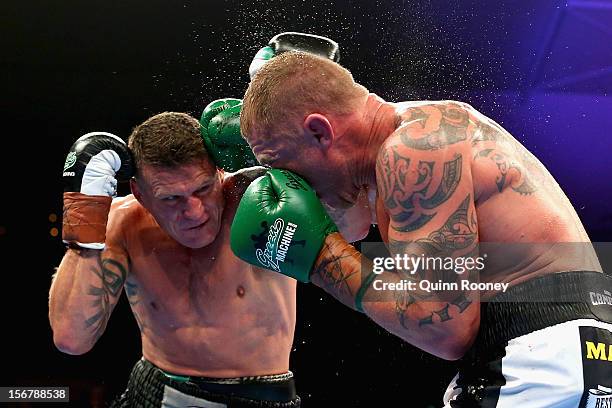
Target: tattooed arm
(424, 182)
(84, 291)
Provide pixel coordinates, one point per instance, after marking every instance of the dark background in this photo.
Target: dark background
(542, 69)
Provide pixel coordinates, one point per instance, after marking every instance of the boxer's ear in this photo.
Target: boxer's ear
(318, 128)
(135, 189)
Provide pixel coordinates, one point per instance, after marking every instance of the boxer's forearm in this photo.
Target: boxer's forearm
(337, 270)
(441, 326)
(82, 296)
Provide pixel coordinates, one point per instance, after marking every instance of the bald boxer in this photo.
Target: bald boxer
(214, 329)
(443, 178)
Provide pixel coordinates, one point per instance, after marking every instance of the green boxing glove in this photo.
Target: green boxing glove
(281, 225)
(220, 128)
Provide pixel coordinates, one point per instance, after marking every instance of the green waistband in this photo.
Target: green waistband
(178, 378)
(273, 378)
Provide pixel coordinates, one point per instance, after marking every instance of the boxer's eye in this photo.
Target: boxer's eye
(203, 190)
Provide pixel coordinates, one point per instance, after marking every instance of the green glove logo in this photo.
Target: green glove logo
(294, 182)
(275, 252)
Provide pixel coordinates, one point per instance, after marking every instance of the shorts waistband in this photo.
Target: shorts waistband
(538, 303)
(274, 387)
(261, 379)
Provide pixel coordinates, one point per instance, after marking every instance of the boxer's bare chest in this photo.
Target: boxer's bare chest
(170, 286)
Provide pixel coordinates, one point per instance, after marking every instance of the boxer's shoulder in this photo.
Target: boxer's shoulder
(432, 126)
(235, 184)
(411, 111)
(125, 211)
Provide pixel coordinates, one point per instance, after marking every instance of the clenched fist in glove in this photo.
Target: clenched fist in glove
(94, 164)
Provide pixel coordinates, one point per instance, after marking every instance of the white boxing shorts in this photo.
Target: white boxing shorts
(532, 352)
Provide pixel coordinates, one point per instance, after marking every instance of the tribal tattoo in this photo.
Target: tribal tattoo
(494, 142)
(409, 194)
(404, 300)
(487, 132)
(112, 275)
(509, 171)
(449, 124)
(414, 185)
(458, 233)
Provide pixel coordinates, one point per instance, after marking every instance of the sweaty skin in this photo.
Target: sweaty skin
(200, 311)
(446, 178)
(489, 187)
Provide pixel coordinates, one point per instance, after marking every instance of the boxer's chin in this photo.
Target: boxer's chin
(200, 236)
(354, 235)
(340, 203)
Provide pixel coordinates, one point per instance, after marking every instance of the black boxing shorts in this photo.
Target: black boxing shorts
(150, 386)
(533, 352)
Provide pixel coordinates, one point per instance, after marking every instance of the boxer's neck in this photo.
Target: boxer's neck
(379, 121)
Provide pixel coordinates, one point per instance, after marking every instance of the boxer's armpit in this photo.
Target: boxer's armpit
(105, 290)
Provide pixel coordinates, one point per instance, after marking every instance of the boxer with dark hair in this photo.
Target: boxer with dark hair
(445, 181)
(215, 330)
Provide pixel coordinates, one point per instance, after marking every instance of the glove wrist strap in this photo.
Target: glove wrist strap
(365, 285)
(84, 220)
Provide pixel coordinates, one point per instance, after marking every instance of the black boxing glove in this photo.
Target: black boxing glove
(94, 164)
(292, 41)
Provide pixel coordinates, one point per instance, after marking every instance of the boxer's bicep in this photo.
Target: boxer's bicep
(427, 194)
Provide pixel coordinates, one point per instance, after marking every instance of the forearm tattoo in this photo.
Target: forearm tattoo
(112, 275)
(337, 262)
(405, 299)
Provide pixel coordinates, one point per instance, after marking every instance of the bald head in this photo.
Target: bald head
(291, 86)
